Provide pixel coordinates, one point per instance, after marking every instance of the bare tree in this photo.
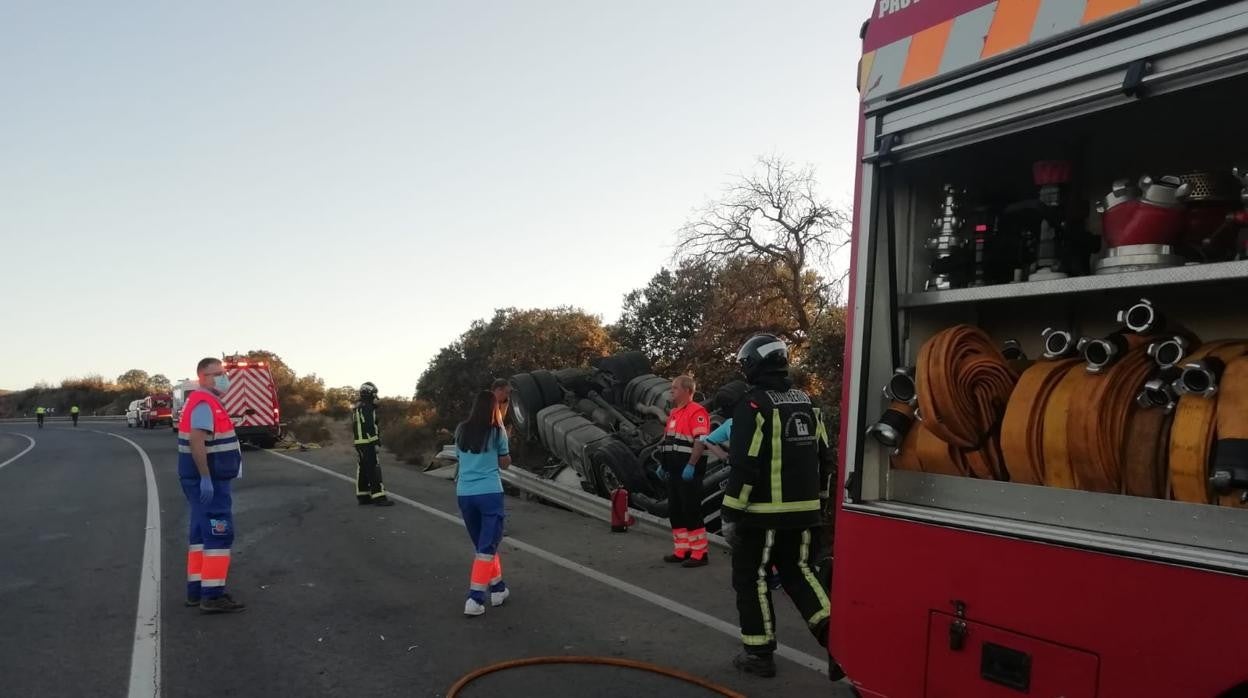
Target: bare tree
(774, 216)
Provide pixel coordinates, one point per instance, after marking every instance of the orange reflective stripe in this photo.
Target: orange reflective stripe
(497, 573)
(1099, 9)
(482, 572)
(1011, 26)
(216, 567)
(926, 49)
(194, 564)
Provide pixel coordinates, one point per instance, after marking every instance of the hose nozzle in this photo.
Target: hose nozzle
(1057, 343)
(1100, 354)
(891, 428)
(1160, 392)
(1142, 318)
(901, 388)
(1200, 377)
(1169, 352)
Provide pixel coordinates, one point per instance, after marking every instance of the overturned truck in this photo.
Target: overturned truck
(605, 424)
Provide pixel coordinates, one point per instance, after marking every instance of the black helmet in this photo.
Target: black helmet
(368, 391)
(762, 353)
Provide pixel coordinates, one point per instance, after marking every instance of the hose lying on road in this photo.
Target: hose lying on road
(599, 661)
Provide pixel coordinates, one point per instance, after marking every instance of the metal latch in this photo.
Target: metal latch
(887, 143)
(957, 628)
(1133, 81)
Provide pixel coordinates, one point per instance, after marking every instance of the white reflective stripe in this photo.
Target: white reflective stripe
(196, 547)
(763, 588)
(192, 577)
(215, 435)
(485, 558)
(217, 552)
(220, 448)
(479, 587)
(496, 580)
(769, 348)
(209, 583)
(803, 555)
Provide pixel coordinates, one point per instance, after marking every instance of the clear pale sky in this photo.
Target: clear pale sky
(351, 184)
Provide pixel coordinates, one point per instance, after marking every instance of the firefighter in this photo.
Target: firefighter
(683, 473)
(780, 458)
(39, 413)
(73, 414)
(368, 486)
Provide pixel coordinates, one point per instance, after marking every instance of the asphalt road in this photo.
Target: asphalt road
(342, 599)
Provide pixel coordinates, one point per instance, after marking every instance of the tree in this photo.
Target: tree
(663, 318)
(339, 401)
(135, 381)
(295, 396)
(510, 342)
(774, 217)
(161, 384)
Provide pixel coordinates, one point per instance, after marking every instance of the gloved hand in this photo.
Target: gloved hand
(728, 530)
(687, 474)
(662, 473)
(206, 490)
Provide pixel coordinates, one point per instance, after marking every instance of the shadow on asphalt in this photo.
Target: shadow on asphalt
(583, 680)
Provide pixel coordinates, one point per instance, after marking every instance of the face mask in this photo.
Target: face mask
(221, 383)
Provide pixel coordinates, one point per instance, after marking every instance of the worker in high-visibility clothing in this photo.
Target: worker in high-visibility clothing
(686, 423)
(39, 414)
(368, 486)
(209, 459)
(780, 459)
(73, 414)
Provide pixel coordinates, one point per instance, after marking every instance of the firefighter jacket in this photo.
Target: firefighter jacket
(781, 458)
(684, 426)
(364, 419)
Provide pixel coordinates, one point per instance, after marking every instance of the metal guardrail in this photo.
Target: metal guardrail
(587, 504)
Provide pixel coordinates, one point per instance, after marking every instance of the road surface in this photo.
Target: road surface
(342, 600)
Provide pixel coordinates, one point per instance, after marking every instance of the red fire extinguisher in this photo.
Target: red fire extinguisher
(620, 518)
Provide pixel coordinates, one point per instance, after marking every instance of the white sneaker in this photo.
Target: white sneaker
(473, 608)
(498, 597)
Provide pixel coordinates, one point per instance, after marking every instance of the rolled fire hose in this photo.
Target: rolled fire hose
(1097, 423)
(1193, 430)
(964, 384)
(1145, 451)
(1056, 444)
(935, 455)
(1231, 451)
(1022, 430)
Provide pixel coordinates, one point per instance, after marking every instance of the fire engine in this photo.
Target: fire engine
(1044, 448)
(252, 401)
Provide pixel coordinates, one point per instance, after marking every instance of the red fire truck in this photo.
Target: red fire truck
(1027, 169)
(252, 402)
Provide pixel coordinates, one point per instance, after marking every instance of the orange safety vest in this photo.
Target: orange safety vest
(225, 456)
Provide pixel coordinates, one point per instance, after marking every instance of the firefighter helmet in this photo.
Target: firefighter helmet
(368, 391)
(762, 353)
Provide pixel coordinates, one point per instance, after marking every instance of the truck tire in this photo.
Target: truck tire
(548, 385)
(615, 465)
(526, 404)
(575, 380)
(625, 366)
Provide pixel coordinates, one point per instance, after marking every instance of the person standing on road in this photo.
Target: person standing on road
(482, 449)
(73, 414)
(686, 423)
(209, 459)
(369, 488)
(39, 413)
(780, 457)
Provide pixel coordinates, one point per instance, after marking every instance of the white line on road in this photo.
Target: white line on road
(24, 452)
(145, 658)
(693, 614)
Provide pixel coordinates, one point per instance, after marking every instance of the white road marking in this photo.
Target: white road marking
(24, 452)
(693, 614)
(145, 657)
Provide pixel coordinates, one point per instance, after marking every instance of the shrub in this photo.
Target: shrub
(311, 429)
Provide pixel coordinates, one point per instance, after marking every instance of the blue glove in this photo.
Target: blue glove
(206, 490)
(662, 473)
(687, 474)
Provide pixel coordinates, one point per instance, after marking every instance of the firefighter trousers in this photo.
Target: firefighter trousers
(793, 552)
(75, 418)
(368, 485)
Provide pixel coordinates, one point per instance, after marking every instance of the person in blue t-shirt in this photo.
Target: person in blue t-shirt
(482, 449)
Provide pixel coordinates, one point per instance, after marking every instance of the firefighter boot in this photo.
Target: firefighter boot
(763, 665)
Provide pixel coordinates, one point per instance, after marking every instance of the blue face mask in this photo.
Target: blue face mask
(221, 383)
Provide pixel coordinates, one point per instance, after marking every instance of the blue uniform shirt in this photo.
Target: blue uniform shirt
(478, 472)
(721, 435)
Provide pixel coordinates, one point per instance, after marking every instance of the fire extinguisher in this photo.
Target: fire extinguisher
(620, 518)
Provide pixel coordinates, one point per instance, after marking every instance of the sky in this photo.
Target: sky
(350, 185)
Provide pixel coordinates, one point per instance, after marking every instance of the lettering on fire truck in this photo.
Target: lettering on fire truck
(888, 7)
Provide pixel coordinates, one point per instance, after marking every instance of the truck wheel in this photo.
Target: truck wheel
(526, 404)
(617, 466)
(548, 385)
